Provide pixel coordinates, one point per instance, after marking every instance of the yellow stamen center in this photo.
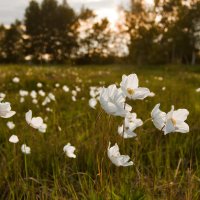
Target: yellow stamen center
(130, 91)
(173, 121)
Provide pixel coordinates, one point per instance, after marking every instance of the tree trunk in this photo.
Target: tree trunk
(193, 62)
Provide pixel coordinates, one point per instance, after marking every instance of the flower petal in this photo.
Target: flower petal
(141, 93)
(180, 114)
(28, 116)
(182, 127)
(9, 114)
(169, 127)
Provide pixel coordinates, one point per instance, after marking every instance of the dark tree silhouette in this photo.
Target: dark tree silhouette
(49, 29)
(12, 50)
(172, 39)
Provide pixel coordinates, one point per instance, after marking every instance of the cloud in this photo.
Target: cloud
(92, 4)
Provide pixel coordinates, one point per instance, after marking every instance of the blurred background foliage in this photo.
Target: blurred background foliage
(166, 32)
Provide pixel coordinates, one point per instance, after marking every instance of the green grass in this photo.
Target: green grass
(168, 165)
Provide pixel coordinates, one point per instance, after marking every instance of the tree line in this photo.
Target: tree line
(166, 32)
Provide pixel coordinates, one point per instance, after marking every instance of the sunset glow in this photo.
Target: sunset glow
(149, 3)
(109, 13)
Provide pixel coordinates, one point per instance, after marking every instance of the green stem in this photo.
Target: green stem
(147, 120)
(26, 169)
(15, 163)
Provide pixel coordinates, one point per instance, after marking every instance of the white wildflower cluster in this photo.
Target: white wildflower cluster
(131, 122)
(10, 125)
(16, 80)
(35, 122)
(14, 139)
(69, 150)
(2, 96)
(25, 149)
(65, 87)
(50, 97)
(173, 121)
(23, 94)
(75, 93)
(198, 90)
(159, 78)
(94, 96)
(116, 158)
(113, 101)
(47, 97)
(5, 110)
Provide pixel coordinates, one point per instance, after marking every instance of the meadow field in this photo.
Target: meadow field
(165, 166)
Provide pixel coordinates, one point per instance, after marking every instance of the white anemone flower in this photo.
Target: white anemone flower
(2, 96)
(35, 122)
(46, 101)
(16, 80)
(116, 158)
(59, 128)
(35, 101)
(73, 98)
(175, 121)
(198, 90)
(14, 139)
(126, 132)
(5, 110)
(52, 96)
(25, 149)
(151, 94)
(69, 150)
(131, 122)
(92, 103)
(42, 128)
(112, 101)
(49, 109)
(65, 88)
(74, 93)
(10, 125)
(21, 100)
(57, 85)
(129, 86)
(41, 93)
(158, 117)
(93, 93)
(39, 85)
(163, 88)
(77, 88)
(33, 94)
(23, 93)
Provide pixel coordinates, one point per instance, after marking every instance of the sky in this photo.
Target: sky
(14, 9)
